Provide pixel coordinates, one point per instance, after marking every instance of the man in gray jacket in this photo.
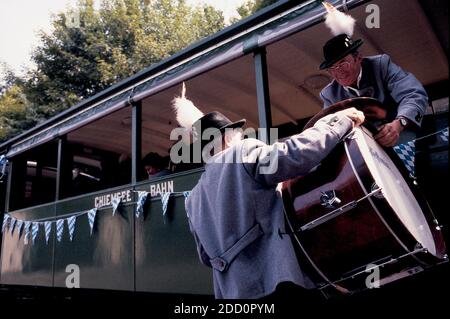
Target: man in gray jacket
(403, 96)
(235, 211)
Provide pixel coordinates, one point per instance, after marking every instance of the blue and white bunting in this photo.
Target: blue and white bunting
(19, 225)
(12, 223)
(91, 218)
(406, 152)
(26, 238)
(30, 228)
(71, 225)
(165, 202)
(186, 195)
(5, 221)
(59, 229)
(444, 135)
(34, 231)
(48, 228)
(142, 197)
(115, 204)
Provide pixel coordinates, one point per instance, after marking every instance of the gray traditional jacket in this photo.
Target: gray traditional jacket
(235, 211)
(399, 91)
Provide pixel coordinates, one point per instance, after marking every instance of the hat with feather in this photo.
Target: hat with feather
(341, 26)
(195, 122)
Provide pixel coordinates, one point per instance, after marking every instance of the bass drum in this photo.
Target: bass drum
(359, 219)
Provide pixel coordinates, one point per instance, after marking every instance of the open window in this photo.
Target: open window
(34, 177)
(229, 89)
(405, 34)
(98, 155)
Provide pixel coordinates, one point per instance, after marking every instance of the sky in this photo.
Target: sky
(20, 21)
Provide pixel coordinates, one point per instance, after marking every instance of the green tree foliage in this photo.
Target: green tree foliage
(76, 61)
(7, 77)
(90, 49)
(251, 6)
(15, 115)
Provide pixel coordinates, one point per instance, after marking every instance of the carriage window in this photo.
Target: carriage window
(34, 177)
(229, 89)
(293, 63)
(98, 156)
(295, 80)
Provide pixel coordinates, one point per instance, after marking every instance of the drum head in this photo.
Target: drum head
(395, 189)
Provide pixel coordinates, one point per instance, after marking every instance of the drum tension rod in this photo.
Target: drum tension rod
(370, 267)
(344, 208)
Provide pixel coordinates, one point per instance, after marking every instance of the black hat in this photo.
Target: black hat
(337, 48)
(217, 120)
(213, 120)
(192, 119)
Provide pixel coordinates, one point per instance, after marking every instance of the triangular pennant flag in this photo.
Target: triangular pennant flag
(406, 152)
(59, 229)
(5, 221)
(186, 195)
(142, 197)
(444, 135)
(71, 225)
(34, 231)
(48, 228)
(27, 232)
(91, 218)
(165, 202)
(19, 225)
(115, 204)
(12, 223)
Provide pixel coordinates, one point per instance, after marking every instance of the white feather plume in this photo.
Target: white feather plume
(337, 21)
(186, 112)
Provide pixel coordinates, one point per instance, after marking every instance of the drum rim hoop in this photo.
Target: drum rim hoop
(426, 210)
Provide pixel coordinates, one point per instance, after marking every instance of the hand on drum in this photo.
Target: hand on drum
(352, 113)
(389, 133)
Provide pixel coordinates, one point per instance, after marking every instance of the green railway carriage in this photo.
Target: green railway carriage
(265, 69)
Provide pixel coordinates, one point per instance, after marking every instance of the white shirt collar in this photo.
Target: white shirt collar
(357, 82)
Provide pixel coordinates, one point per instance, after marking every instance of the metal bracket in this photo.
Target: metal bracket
(329, 199)
(130, 99)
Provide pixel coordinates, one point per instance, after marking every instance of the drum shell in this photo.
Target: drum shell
(370, 233)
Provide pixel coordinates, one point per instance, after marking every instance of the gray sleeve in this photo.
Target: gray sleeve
(405, 89)
(271, 164)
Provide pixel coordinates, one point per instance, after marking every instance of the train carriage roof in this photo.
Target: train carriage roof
(275, 22)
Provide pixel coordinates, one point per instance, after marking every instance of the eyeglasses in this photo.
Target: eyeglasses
(344, 65)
